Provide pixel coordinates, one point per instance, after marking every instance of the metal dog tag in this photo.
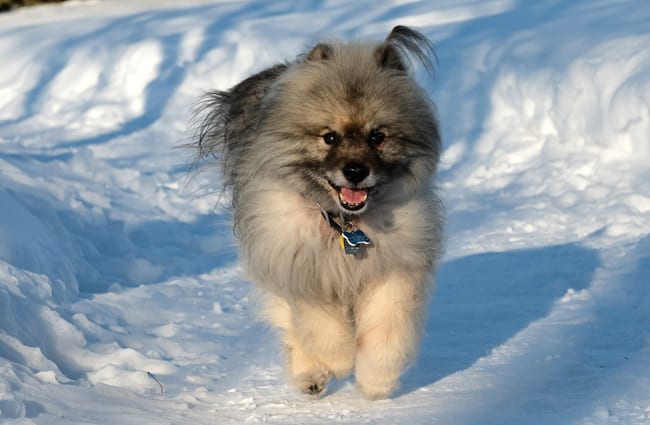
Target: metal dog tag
(351, 249)
(352, 241)
(356, 237)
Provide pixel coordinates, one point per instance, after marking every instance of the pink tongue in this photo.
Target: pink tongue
(353, 196)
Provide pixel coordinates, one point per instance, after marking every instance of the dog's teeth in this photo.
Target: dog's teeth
(353, 196)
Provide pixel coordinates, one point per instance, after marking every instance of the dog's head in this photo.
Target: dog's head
(350, 126)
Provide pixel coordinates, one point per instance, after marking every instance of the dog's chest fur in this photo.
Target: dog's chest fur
(291, 250)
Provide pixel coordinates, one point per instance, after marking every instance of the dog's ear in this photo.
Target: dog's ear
(402, 44)
(388, 56)
(320, 52)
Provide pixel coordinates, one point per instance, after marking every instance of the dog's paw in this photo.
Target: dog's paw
(313, 384)
(314, 389)
(375, 385)
(377, 392)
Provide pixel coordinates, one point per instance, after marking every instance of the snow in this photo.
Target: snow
(118, 267)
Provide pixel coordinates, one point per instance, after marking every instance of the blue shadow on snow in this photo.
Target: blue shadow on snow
(483, 300)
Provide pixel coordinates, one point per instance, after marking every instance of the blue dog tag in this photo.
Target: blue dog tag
(356, 237)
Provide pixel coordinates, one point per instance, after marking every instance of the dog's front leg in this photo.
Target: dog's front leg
(389, 316)
(319, 339)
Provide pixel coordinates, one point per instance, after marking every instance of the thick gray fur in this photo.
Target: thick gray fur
(269, 134)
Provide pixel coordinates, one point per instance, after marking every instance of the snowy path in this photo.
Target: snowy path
(113, 263)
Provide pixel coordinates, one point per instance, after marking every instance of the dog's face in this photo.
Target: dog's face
(351, 128)
(352, 164)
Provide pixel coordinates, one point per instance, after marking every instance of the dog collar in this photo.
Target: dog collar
(351, 238)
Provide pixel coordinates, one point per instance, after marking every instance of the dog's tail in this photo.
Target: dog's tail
(225, 122)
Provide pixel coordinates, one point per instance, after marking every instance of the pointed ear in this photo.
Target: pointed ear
(407, 44)
(388, 56)
(320, 52)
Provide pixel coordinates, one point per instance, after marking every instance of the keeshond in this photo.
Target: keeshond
(330, 161)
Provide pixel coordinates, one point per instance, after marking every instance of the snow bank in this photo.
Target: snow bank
(550, 120)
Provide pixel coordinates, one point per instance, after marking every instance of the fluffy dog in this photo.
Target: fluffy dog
(330, 160)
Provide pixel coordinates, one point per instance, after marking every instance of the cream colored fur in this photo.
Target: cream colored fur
(378, 342)
(339, 313)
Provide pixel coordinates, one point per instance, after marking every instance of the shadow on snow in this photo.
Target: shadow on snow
(483, 300)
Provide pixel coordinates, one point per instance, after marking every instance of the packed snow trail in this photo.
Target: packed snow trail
(117, 266)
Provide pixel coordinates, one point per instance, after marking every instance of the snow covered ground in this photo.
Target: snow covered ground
(113, 263)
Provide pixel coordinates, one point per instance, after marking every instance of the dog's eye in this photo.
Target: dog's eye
(375, 138)
(331, 138)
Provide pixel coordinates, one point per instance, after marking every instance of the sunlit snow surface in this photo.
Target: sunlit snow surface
(114, 263)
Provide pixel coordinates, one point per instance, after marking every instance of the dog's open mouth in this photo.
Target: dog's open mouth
(352, 199)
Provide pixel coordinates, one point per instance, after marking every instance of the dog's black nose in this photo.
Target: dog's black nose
(355, 172)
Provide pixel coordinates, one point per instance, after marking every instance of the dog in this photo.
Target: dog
(330, 160)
